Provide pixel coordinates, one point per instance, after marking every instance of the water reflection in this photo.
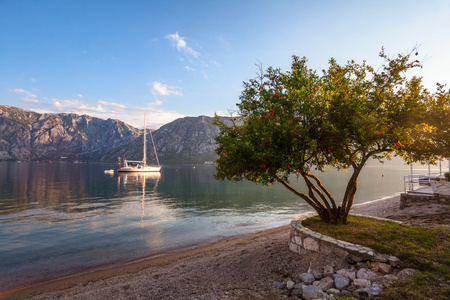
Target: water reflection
(135, 179)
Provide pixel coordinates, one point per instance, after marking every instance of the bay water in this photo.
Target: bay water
(58, 219)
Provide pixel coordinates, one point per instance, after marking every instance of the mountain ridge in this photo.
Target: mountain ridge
(30, 136)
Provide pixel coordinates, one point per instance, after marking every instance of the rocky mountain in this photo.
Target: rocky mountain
(30, 136)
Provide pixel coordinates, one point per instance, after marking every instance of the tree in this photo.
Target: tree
(290, 123)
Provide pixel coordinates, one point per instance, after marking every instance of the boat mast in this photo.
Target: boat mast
(144, 159)
(154, 148)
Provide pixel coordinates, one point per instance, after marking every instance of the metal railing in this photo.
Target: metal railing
(413, 182)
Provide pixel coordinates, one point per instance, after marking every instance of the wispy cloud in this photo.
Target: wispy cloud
(157, 116)
(111, 104)
(31, 100)
(157, 102)
(181, 45)
(80, 95)
(165, 90)
(26, 93)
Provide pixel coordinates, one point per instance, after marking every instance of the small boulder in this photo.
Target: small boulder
(312, 292)
(384, 268)
(318, 275)
(279, 285)
(347, 273)
(341, 282)
(297, 292)
(328, 271)
(326, 283)
(307, 278)
(361, 274)
(361, 283)
(290, 284)
(334, 291)
(389, 279)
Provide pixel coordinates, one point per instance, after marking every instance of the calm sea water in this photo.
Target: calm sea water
(61, 219)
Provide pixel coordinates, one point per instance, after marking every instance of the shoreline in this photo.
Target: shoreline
(241, 266)
(135, 266)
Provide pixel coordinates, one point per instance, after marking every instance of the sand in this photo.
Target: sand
(241, 267)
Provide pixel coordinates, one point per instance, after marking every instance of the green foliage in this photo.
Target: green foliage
(292, 122)
(447, 176)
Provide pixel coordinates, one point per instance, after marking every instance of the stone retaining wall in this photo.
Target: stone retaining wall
(302, 239)
(411, 198)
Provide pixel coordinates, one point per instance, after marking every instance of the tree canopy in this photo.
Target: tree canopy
(290, 123)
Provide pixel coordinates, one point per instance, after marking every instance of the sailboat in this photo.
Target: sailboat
(141, 165)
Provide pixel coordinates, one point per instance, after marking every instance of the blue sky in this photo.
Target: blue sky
(118, 59)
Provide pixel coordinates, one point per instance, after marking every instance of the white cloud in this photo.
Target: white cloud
(21, 91)
(157, 102)
(80, 95)
(31, 100)
(165, 90)
(111, 104)
(181, 45)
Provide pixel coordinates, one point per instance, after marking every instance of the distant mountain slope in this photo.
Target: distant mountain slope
(29, 136)
(185, 140)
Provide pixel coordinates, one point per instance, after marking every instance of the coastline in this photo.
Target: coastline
(136, 266)
(242, 266)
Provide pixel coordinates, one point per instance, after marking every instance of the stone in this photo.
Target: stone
(355, 258)
(311, 244)
(340, 252)
(375, 266)
(347, 273)
(371, 275)
(307, 278)
(393, 261)
(297, 292)
(298, 285)
(352, 288)
(389, 279)
(375, 290)
(326, 283)
(318, 275)
(287, 279)
(325, 248)
(362, 274)
(312, 292)
(328, 271)
(294, 247)
(406, 273)
(341, 282)
(361, 283)
(334, 291)
(384, 268)
(290, 284)
(279, 285)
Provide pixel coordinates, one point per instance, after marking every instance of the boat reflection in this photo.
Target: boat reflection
(140, 178)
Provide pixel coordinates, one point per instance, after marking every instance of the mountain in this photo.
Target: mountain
(30, 136)
(185, 140)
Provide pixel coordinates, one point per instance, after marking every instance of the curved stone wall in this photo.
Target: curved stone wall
(302, 238)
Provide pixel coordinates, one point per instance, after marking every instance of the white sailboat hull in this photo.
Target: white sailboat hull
(140, 169)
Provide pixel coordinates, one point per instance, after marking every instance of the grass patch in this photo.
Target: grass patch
(424, 248)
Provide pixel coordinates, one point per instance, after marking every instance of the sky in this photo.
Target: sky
(172, 59)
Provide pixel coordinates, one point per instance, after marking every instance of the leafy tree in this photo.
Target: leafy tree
(291, 123)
